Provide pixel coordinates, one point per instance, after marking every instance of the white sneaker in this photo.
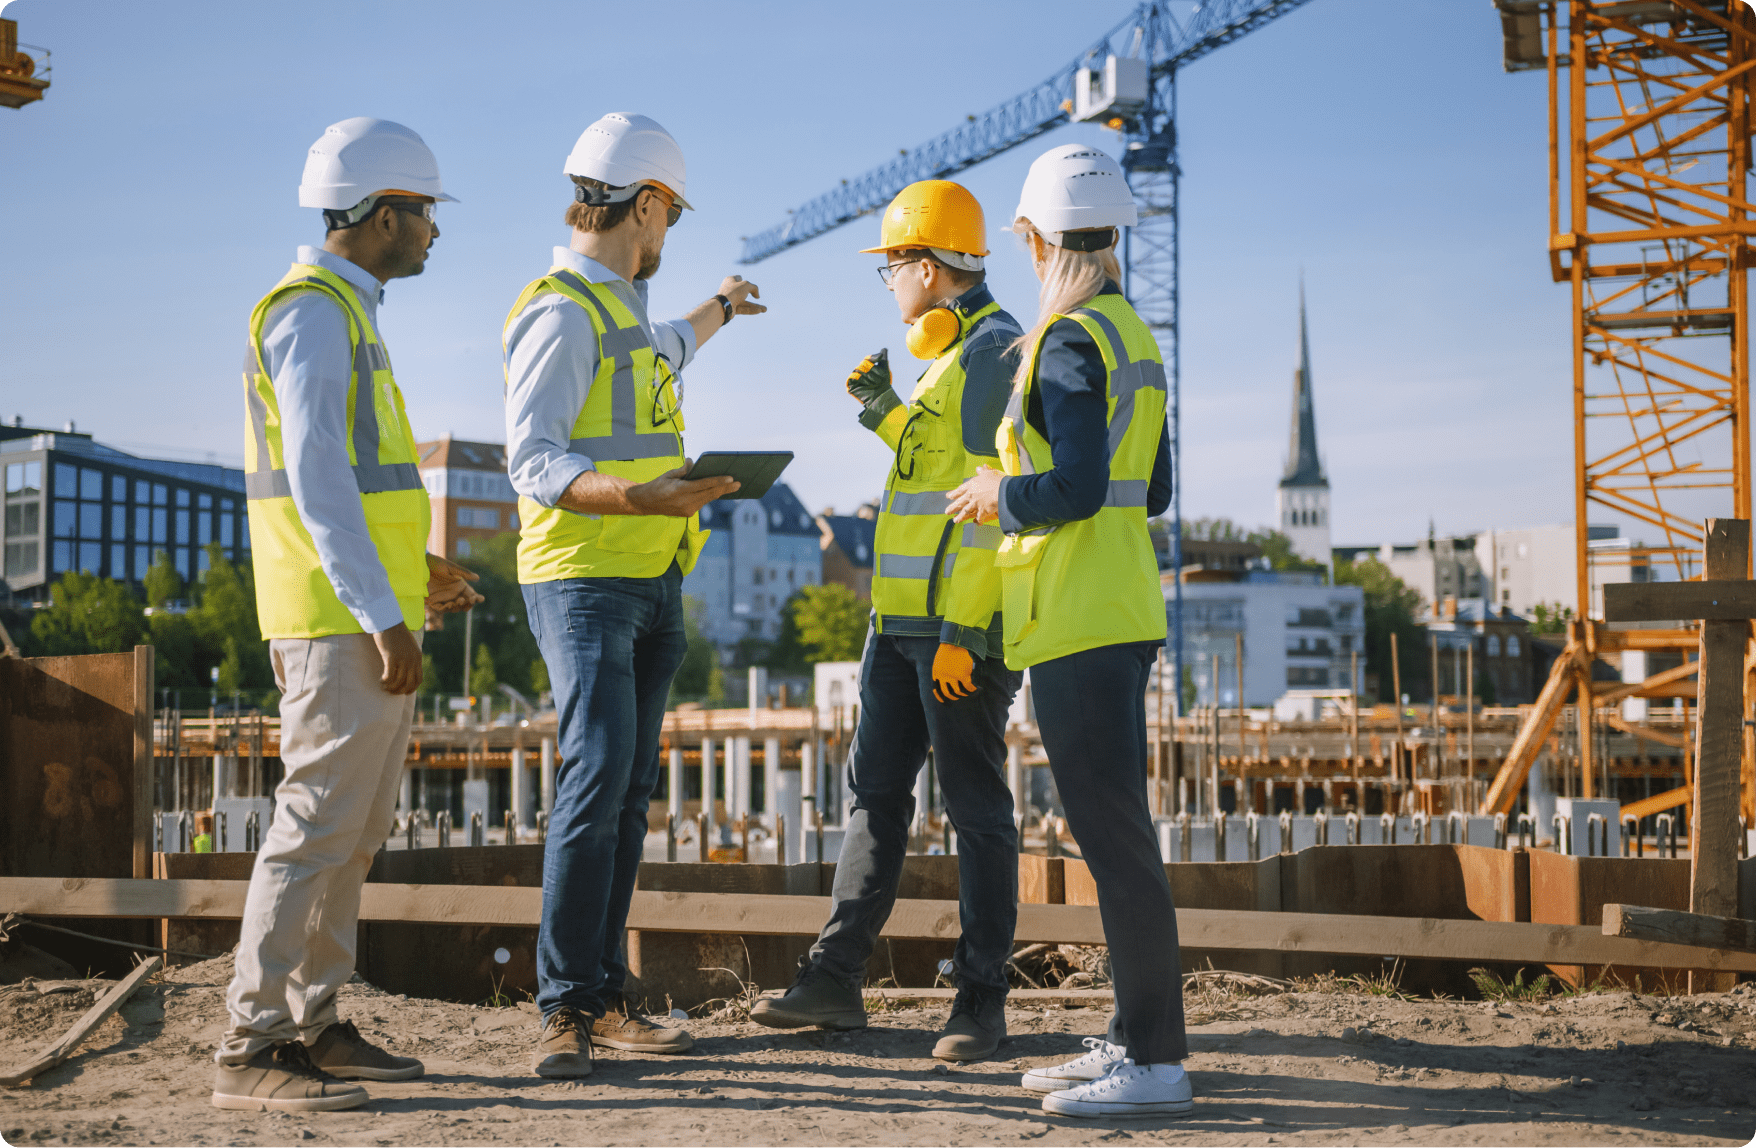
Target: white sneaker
(1102, 1057)
(1128, 1090)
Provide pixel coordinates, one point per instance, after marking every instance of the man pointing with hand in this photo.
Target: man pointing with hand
(932, 674)
(608, 525)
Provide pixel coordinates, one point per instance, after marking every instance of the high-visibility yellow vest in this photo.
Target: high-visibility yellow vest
(1092, 583)
(630, 426)
(928, 567)
(294, 598)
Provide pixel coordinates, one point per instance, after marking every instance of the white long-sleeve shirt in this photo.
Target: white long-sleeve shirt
(551, 355)
(306, 351)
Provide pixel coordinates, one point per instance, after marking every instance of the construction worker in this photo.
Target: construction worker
(1084, 463)
(608, 524)
(932, 674)
(338, 532)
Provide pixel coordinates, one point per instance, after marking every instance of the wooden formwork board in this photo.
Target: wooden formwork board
(779, 915)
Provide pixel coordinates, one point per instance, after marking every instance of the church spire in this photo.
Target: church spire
(1303, 467)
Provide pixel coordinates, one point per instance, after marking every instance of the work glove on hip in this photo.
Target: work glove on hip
(954, 673)
(870, 383)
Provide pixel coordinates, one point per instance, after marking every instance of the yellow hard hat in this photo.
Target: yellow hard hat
(933, 213)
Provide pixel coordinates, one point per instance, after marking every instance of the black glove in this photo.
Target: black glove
(870, 383)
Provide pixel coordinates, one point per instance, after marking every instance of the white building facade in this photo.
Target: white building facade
(1299, 634)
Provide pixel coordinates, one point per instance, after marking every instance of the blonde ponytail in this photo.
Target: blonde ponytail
(1071, 279)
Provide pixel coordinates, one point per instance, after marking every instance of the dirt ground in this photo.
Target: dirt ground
(1330, 1067)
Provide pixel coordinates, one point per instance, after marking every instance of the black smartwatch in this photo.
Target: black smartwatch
(725, 306)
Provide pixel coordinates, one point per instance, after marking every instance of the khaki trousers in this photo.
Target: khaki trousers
(344, 741)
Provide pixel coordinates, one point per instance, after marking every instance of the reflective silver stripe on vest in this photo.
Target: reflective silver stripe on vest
(905, 566)
(1127, 378)
(624, 443)
(981, 536)
(1127, 492)
(371, 476)
(919, 502)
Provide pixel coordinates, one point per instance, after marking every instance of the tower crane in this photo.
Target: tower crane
(1126, 81)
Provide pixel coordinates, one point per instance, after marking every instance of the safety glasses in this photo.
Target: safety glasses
(672, 212)
(411, 207)
(889, 271)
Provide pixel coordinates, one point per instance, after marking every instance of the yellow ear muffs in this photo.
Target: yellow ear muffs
(933, 332)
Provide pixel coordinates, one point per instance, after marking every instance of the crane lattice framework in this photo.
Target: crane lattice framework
(1162, 42)
(1650, 219)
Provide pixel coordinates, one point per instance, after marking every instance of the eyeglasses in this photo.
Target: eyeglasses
(888, 271)
(672, 212)
(411, 207)
(667, 381)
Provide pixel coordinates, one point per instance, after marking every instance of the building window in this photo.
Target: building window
(118, 488)
(182, 498)
(158, 525)
(1511, 645)
(66, 518)
(478, 518)
(118, 561)
(201, 564)
(21, 559)
(142, 491)
(1493, 645)
(1307, 677)
(142, 562)
(118, 522)
(66, 480)
(159, 491)
(24, 519)
(183, 525)
(24, 478)
(756, 576)
(63, 557)
(204, 502)
(204, 526)
(91, 484)
(225, 524)
(181, 561)
(463, 548)
(91, 557)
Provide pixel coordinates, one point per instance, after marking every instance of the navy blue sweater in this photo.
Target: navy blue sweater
(1069, 407)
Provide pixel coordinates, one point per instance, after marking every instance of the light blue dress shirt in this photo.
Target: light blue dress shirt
(551, 357)
(306, 351)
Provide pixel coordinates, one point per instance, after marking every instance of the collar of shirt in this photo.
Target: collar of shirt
(371, 290)
(592, 271)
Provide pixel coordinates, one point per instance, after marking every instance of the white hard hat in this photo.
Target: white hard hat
(363, 156)
(622, 149)
(1073, 187)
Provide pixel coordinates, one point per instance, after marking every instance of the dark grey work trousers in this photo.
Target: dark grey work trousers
(1091, 712)
(899, 719)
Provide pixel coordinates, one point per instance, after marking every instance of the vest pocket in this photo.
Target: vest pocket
(1018, 560)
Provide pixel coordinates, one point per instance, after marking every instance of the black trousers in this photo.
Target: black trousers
(1091, 712)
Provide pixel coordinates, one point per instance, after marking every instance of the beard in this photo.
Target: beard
(649, 261)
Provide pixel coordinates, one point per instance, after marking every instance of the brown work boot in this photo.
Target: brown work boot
(626, 1028)
(564, 1049)
(346, 1055)
(281, 1077)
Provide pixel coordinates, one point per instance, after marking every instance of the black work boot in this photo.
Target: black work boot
(977, 1024)
(818, 997)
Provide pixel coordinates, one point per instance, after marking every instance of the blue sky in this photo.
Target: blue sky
(1375, 145)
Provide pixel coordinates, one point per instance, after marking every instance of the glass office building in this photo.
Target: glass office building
(75, 504)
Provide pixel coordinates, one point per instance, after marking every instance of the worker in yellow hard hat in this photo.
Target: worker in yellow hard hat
(933, 675)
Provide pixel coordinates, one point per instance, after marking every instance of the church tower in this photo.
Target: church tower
(1303, 498)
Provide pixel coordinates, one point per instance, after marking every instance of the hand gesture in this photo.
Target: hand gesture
(740, 291)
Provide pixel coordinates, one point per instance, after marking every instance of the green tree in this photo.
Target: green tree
(498, 624)
(1213, 530)
(1485, 692)
(1278, 549)
(163, 583)
(539, 676)
(1550, 618)
(231, 669)
(482, 678)
(787, 654)
(87, 614)
(1391, 607)
(175, 653)
(832, 622)
(226, 627)
(699, 659)
(429, 675)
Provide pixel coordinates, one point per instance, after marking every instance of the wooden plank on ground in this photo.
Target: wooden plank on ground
(775, 915)
(1672, 927)
(1722, 599)
(96, 1015)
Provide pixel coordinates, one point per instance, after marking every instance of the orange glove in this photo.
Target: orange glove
(954, 670)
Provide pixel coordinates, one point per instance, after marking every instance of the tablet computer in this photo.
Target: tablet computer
(755, 470)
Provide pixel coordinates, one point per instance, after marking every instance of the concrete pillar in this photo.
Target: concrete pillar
(1634, 669)
(675, 805)
(771, 781)
(758, 691)
(707, 783)
(805, 824)
(475, 800)
(787, 805)
(522, 812)
(1015, 782)
(923, 785)
(546, 758)
(741, 778)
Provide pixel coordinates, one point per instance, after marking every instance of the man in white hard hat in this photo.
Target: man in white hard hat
(608, 525)
(338, 531)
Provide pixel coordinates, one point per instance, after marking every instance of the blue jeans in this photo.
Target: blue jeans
(611, 646)
(899, 719)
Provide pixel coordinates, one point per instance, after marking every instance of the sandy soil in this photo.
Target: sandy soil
(1297, 1068)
